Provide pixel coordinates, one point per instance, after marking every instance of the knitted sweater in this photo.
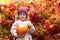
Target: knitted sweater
(27, 36)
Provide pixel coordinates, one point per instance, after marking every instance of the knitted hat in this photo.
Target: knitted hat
(22, 10)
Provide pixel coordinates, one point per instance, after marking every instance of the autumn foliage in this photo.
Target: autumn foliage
(44, 14)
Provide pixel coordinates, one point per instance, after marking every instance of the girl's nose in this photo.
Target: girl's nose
(22, 15)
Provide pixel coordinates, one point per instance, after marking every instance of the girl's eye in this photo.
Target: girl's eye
(22, 14)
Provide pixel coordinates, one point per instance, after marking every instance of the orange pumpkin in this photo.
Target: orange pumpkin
(21, 29)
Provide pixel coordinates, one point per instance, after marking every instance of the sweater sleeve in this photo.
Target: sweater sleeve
(13, 29)
(32, 28)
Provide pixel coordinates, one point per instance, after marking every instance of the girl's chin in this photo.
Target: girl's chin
(22, 19)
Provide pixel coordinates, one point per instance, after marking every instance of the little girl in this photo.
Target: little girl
(22, 19)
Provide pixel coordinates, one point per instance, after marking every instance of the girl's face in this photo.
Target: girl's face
(22, 16)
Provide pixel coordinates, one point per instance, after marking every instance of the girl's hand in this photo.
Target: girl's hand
(21, 35)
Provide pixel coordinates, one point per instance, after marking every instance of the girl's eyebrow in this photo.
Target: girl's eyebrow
(23, 14)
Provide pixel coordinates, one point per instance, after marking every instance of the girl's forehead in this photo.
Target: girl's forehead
(22, 13)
